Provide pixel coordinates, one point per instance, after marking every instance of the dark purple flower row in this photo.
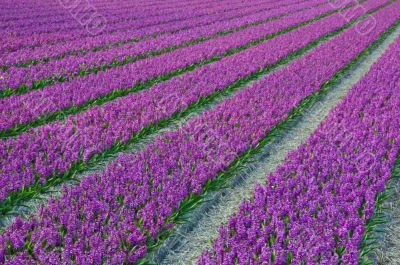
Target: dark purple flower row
(22, 8)
(122, 10)
(115, 19)
(56, 13)
(109, 216)
(46, 11)
(317, 203)
(52, 13)
(19, 109)
(61, 42)
(51, 50)
(53, 148)
(17, 76)
(68, 31)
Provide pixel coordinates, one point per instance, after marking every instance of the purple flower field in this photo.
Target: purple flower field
(118, 119)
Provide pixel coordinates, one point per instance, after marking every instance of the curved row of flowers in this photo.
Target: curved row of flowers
(17, 41)
(314, 208)
(53, 149)
(15, 77)
(47, 47)
(114, 215)
(17, 110)
(50, 11)
(113, 12)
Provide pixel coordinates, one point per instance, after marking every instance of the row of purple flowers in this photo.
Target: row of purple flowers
(21, 109)
(61, 43)
(112, 216)
(16, 76)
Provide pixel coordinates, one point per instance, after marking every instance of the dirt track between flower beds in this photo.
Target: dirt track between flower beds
(388, 248)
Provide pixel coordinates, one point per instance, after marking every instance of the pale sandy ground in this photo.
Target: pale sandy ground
(388, 249)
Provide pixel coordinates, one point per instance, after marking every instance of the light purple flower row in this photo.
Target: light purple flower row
(28, 107)
(16, 76)
(38, 52)
(124, 14)
(130, 30)
(319, 200)
(109, 216)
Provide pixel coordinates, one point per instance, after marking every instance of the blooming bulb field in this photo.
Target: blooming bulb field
(211, 82)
